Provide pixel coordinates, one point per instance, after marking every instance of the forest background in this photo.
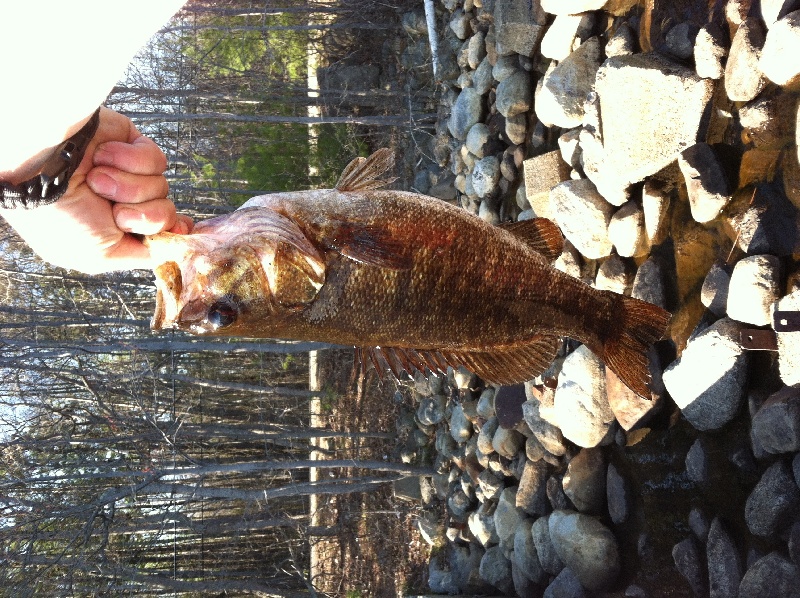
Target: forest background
(150, 464)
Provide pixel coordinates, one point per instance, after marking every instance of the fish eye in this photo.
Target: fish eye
(222, 313)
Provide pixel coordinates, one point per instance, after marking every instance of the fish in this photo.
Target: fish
(414, 283)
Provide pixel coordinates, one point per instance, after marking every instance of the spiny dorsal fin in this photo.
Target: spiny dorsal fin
(362, 174)
(540, 234)
(508, 366)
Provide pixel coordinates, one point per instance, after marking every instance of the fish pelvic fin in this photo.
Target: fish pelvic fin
(361, 174)
(627, 351)
(499, 366)
(540, 234)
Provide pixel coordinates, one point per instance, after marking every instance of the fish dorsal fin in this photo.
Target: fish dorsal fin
(362, 174)
(540, 234)
(506, 366)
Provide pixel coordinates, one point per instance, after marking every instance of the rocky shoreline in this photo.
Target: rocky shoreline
(662, 141)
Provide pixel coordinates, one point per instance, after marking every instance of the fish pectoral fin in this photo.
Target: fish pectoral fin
(540, 234)
(362, 174)
(366, 244)
(507, 366)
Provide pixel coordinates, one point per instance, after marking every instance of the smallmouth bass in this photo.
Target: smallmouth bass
(411, 281)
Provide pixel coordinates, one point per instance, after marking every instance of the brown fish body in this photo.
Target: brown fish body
(426, 283)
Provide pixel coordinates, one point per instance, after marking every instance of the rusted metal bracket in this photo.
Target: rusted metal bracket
(757, 339)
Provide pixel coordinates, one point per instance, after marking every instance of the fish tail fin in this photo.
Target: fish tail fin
(626, 351)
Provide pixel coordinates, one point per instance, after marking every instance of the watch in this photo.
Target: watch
(53, 178)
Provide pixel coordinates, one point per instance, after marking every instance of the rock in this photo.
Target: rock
(587, 547)
(689, 563)
(476, 50)
(485, 406)
(710, 50)
(655, 205)
(768, 122)
(441, 580)
(478, 139)
(464, 564)
(558, 39)
(771, 575)
(680, 40)
(706, 182)
(505, 67)
(671, 102)
(630, 410)
(789, 342)
(445, 445)
(569, 148)
(460, 426)
(565, 585)
(488, 213)
(431, 530)
(525, 555)
(508, 405)
(794, 541)
(697, 462)
(773, 502)
(765, 222)
(548, 557)
(783, 39)
(707, 380)
(507, 517)
(743, 77)
(485, 175)
(467, 110)
(482, 79)
(542, 173)
(514, 94)
(548, 435)
(581, 406)
(516, 128)
(585, 481)
(583, 216)
(507, 442)
(460, 504)
(459, 24)
(571, 7)
(532, 489)
(699, 524)
(614, 275)
(753, 289)
(555, 494)
(618, 496)
(519, 26)
(648, 284)
(724, 562)
(560, 99)
(622, 43)
(431, 410)
(486, 436)
(714, 294)
(626, 231)
(481, 524)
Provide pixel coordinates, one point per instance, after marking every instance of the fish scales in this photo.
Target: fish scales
(412, 281)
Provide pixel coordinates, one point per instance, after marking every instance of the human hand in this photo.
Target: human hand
(118, 189)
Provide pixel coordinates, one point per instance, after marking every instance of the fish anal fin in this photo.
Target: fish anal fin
(505, 366)
(365, 244)
(627, 351)
(541, 234)
(362, 174)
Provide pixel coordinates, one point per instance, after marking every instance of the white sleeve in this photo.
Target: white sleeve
(59, 60)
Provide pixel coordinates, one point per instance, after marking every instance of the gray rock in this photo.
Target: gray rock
(626, 231)
(460, 504)
(743, 77)
(783, 39)
(614, 275)
(753, 289)
(431, 529)
(789, 342)
(770, 576)
(507, 517)
(794, 542)
(514, 94)
(697, 464)
(565, 585)
(519, 27)
(523, 585)
(555, 494)
(441, 580)
(559, 37)
(467, 110)
(671, 101)
(655, 205)
(648, 284)
(767, 223)
(560, 100)
(714, 294)
(724, 562)
(460, 426)
(495, 569)
(689, 563)
(773, 502)
(542, 173)
(445, 445)
(776, 425)
(587, 547)
(569, 147)
(431, 410)
(699, 524)
(476, 49)
(482, 79)
(486, 435)
(532, 489)
(769, 120)
(486, 175)
(710, 50)
(706, 182)
(622, 43)
(491, 484)
(525, 555)
(581, 406)
(585, 481)
(478, 139)
(583, 216)
(680, 40)
(507, 442)
(618, 495)
(464, 564)
(485, 406)
(548, 435)
(707, 381)
(548, 557)
(481, 524)
(505, 67)
(571, 7)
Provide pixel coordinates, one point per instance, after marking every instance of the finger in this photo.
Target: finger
(183, 225)
(121, 186)
(141, 156)
(146, 218)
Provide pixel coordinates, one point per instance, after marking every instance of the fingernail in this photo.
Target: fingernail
(127, 219)
(102, 184)
(103, 157)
